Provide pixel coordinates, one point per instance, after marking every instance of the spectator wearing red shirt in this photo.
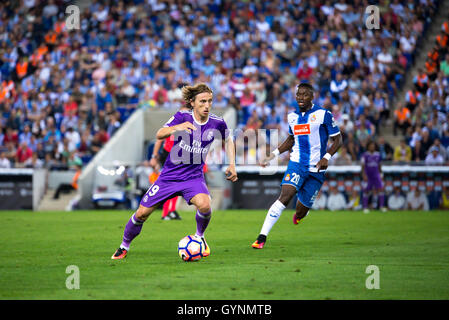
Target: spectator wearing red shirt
(11, 136)
(70, 107)
(23, 153)
(304, 72)
(160, 96)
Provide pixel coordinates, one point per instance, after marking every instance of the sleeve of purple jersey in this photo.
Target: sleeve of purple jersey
(224, 131)
(178, 118)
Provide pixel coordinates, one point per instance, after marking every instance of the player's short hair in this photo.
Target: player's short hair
(190, 92)
(306, 86)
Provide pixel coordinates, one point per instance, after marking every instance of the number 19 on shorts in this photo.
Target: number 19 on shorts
(153, 190)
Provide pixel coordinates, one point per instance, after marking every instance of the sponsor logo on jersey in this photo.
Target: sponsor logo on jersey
(301, 129)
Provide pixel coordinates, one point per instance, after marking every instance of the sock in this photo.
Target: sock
(165, 208)
(202, 221)
(381, 198)
(365, 201)
(132, 230)
(172, 206)
(272, 217)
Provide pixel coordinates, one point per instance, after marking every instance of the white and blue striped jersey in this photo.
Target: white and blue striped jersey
(311, 131)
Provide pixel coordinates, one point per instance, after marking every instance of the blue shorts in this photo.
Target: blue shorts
(307, 183)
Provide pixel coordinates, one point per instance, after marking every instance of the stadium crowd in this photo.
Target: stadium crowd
(64, 93)
(424, 118)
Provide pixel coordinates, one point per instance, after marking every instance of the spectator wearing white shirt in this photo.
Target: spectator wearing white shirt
(338, 85)
(396, 201)
(417, 200)
(4, 161)
(320, 201)
(434, 157)
(336, 200)
(384, 58)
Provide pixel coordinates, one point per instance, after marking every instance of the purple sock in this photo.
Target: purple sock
(202, 220)
(132, 230)
(365, 201)
(381, 200)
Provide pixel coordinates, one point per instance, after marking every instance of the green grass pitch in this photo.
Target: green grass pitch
(325, 257)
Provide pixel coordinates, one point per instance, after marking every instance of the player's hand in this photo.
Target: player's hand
(231, 174)
(266, 160)
(153, 163)
(322, 164)
(186, 126)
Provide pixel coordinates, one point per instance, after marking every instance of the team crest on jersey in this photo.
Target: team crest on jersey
(301, 129)
(313, 118)
(287, 177)
(210, 135)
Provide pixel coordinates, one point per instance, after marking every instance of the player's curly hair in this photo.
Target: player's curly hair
(190, 92)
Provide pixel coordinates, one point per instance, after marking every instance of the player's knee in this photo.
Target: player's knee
(286, 197)
(204, 207)
(143, 213)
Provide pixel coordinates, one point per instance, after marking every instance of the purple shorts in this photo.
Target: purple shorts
(162, 190)
(373, 183)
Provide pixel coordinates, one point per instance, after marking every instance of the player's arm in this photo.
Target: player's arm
(155, 154)
(166, 132)
(285, 146)
(231, 173)
(336, 143)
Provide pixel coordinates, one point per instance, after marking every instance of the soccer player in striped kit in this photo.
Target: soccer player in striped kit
(310, 128)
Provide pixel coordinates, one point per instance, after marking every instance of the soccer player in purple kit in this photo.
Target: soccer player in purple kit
(371, 173)
(182, 174)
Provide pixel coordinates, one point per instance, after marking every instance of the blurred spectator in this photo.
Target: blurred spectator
(23, 153)
(396, 201)
(4, 161)
(402, 152)
(354, 201)
(417, 200)
(336, 200)
(402, 119)
(445, 199)
(67, 187)
(434, 157)
(342, 158)
(385, 149)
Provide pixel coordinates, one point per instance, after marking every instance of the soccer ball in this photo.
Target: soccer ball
(190, 248)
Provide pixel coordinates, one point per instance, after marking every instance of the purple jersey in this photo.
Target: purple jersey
(188, 155)
(371, 162)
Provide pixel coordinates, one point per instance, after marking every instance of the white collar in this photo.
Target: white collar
(197, 122)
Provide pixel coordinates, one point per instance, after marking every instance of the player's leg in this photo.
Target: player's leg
(196, 193)
(166, 210)
(203, 212)
(301, 212)
(172, 209)
(156, 194)
(132, 230)
(366, 194)
(306, 196)
(287, 193)
(379, 190)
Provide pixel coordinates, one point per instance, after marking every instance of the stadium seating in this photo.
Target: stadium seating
(132, 54)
